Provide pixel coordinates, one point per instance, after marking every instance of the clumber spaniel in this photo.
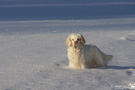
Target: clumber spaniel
(85, 56)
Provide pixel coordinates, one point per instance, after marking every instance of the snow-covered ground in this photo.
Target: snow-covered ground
(33, 55)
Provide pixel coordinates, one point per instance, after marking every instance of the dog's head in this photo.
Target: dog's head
(75, 40)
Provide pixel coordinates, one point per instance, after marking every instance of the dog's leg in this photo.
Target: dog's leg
(100, 62)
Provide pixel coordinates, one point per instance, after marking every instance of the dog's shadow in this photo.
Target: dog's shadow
(121, 67)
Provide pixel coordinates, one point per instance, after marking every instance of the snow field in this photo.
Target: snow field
(33, 54)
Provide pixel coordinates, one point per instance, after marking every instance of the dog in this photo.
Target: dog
(84, 56)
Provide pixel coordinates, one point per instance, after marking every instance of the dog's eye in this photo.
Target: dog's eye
(78, 39)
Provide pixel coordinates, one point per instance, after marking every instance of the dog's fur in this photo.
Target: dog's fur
(84, 56)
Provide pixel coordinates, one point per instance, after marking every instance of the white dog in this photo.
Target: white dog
(84, 56)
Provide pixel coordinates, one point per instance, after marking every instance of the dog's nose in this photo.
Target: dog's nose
(76, 42)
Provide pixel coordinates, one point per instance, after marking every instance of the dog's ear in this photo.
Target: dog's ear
(68, 41)
(82, 38)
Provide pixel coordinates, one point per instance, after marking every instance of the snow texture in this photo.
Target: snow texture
(33, 55)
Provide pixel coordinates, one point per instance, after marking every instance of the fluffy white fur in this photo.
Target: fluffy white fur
(84, 56)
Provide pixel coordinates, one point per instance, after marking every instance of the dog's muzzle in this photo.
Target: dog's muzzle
(75, 44)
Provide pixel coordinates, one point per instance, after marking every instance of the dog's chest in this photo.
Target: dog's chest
(74, 54)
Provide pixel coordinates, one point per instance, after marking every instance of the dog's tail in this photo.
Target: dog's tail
(107, 57)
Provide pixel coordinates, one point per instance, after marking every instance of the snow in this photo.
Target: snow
(33, 55)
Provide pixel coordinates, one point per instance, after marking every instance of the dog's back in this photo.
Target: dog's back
(94, 56)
